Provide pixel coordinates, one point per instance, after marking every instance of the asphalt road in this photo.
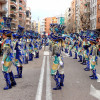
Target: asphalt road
(37, 83)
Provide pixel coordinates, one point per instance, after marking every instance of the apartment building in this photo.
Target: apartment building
(95, 14)
(17, 11)
(28, 18)
(77, 15)
(73, 14)
(3, 11)
(48, 21)
(3, 8)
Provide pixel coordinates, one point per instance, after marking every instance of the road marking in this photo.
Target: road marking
(48, 82)
(98, 80)
(94, 92)
(66, 54)
(46, 53)
(40, 85)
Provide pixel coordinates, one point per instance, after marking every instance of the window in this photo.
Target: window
(99, 19)
(27, 13)
(20, 15)
(14, 1)
(99, 7)
(20, 1)
(20, 8)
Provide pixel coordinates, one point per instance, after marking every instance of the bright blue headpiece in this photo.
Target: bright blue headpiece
(20, 30)
(7, 22)
(57, 31)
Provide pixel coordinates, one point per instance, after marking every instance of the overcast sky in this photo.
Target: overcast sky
(47, 8)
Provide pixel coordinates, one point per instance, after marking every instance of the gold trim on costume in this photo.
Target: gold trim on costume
(7, 63)
(54, 66)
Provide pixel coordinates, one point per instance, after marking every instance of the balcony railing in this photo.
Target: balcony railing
(14, 3)
(28, 19)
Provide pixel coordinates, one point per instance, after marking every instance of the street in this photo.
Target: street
(37, 83)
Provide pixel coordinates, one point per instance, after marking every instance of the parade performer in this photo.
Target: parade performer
(36, 44)
(18, 59)
(57, 70)
(93, 56)
(30, 47)
(86, 55)
(70, 42)
(75, 47)
(7, 62)
(80, 49)
(56, 67)
(36, 50)
(86, 45)
(25, 52)
(83, 50)
(7, 56)
(66, 43)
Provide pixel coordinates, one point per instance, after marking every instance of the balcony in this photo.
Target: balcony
(20, 2)
(13, 16)
(14, 3)
(14, 21)
(3, 10)
(28, 19)
(3, 1)
(27, 23)
(12, 8)
(13, 27)
(20, 18)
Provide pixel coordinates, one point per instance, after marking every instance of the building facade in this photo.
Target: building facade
(28, 18)
(48, 21)
(3, 8)
(78, 16)
(42, 26)
(17, 10)
(37, 27)
(33, 25)
(61, 20)
(3, 11)
(73, 14)
(95, 14)
(98, 15)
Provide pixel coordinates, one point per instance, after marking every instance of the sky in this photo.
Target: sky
(47, 8)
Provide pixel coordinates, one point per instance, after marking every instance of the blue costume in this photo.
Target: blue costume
(24, 48)
(18, 58)
(7, 56)
(57, 70)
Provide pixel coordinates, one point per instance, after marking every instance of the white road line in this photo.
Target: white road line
(94, 92)
(66, 54)
(48, 82)
(98, 80)
(40, 85)
(46, 53)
